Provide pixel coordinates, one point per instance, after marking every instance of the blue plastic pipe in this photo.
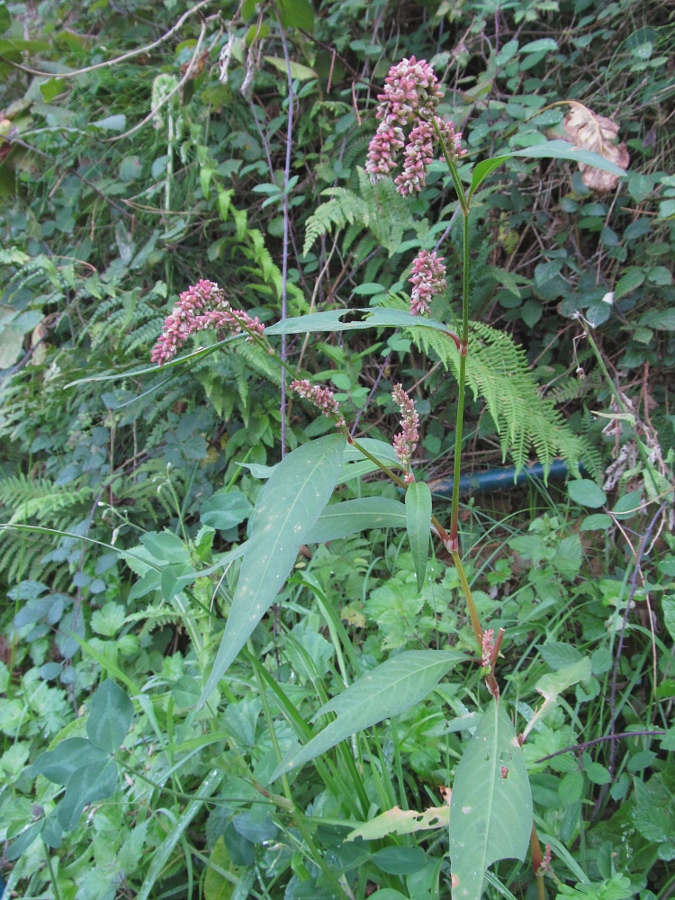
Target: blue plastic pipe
(499, 479)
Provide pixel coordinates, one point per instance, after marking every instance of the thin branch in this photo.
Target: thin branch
(112, 62)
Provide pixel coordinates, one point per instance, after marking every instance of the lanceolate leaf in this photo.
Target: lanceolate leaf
(545, 150)
(418, 512)
(387, 690)
(289, 504)
(352, 516)
(565, 150)
(491, 806)
(354, 320)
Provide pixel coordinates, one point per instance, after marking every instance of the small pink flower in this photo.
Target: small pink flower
(411, 97)
(406, 440)
(321, 397)
(417, 157)
(427, 279)
(487, 649)
(202, 306)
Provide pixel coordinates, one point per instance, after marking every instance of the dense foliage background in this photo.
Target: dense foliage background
(143, 147)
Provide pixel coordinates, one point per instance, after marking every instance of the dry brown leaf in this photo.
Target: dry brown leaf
(589, 131)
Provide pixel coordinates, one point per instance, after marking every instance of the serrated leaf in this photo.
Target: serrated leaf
(418, 520)
(385, 691)
(288, 506)
(401, 821)
(491, 805)
(110, 718)
(352, 516)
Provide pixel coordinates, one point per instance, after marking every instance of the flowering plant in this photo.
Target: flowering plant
(491, 807)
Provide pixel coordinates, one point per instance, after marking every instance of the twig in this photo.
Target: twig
(151, 115)
(112, 62)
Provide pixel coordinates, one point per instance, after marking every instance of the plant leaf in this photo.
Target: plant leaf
(387, 690)
(289, 504)
(110, 717)
(565, 150)
(418, 518)
(60, 764)
(354, 320)
(90, 783)
(482, 170)
(401, 821)
(491, 805)
(351, 516)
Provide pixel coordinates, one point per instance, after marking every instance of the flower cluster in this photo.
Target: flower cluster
(411, 96)
(322, 398)
(406, 440)
(487, 648)
(202, 306)
(427, 279)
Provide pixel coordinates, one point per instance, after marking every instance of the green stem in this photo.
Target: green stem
(461, 390)
(471, 606)
(52, 876)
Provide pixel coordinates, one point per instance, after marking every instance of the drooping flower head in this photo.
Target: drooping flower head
(202, 306)
(411, 96)
(427, 279)
(321, 397)
(406, 440)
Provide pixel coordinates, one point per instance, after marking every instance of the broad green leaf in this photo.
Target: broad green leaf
(5, 20)
(587, 493)
(400, 860)
(401, 821)
(353, 320)
(27, 837)
(482, 170)
(72, 754)
(352, 516)
(90, 783)
(224, 509)
(111, 123)
(491, 806)
(418, 520)
(289, 504)
(387, 690)
(110, 717)
(628, 283)
(296, 14)
(543, 45)
(297, 70)
(565, 150)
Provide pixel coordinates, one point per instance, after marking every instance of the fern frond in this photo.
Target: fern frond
(497, 370)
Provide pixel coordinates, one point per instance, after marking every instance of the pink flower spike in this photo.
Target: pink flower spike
(202, 306)
(487, 648)
(406, 440)
(321, 397)
(427, 279)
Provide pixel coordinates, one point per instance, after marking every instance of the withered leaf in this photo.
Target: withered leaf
(589, 131)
